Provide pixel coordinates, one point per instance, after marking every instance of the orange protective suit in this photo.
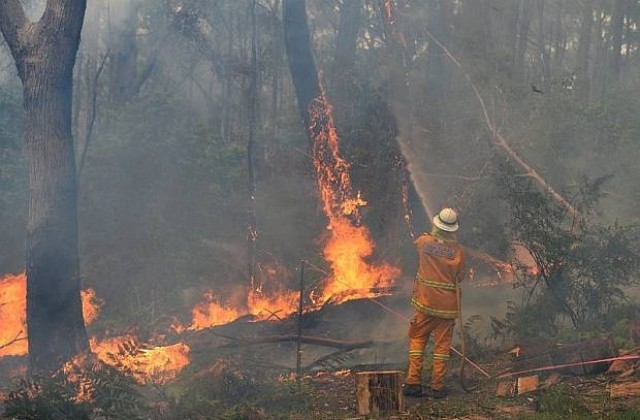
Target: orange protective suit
(442, 266)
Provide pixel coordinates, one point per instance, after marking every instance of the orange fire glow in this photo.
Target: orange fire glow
(210, 312)
(147, 364)
(13, 307)
(348, 247)
(13, 334)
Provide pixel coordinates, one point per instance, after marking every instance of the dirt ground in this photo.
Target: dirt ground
(334, 397)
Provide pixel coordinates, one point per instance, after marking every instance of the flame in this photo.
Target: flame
(147, 364)
(209, 313)
(348, 246)
(13, 307)
(91, 305)
(273, 305)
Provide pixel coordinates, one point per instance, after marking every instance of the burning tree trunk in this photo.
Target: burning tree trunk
(348, 246)
(45, 54)
(252, 228)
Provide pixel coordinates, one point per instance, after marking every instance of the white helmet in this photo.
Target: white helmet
(446, 220)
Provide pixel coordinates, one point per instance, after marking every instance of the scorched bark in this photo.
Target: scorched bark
(44, 53)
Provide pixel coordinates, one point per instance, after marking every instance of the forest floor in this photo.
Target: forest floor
(333, 397)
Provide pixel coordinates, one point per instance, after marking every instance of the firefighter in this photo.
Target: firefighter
(435, 299)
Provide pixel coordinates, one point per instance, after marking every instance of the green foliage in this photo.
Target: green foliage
(229, 389)
(90, 390)
(559, 401)
(580, 268)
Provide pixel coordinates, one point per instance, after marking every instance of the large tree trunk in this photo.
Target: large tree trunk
(346, 42)
(301, 63)
(45, 54)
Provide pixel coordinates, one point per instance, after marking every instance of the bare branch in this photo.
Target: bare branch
(317, 341)
(15, 339)
(12, 20)
(500, 141)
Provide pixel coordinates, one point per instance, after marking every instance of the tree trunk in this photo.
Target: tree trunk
(301, 63)
(252, 228)
(545, 67)
(45, 54)
(617, 24)
(123, 53)
(523, 37)
(346, 41)
(584, 49)
(437, 66)
(558, 40)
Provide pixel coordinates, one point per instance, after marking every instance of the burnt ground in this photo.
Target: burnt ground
(333, 397)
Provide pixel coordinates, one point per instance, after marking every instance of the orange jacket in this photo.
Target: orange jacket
(442, 267)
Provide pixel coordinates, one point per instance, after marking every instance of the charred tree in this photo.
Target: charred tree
(252, 234)
(301, 64)
(45, 54)
(346, 42)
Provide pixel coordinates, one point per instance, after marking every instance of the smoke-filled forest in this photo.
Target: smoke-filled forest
(216, 209)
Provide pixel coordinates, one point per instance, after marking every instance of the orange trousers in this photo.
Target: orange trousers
(422, 326)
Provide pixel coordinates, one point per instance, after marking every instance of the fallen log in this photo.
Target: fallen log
(305, 339)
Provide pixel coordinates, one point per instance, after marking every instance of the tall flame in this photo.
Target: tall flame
(348, 246)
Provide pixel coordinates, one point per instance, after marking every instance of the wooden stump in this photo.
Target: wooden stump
(379, 392)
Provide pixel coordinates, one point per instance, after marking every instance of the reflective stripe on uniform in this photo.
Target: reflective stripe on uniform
(440, 356)
(416, 353)
(436, 284)
(438, 313)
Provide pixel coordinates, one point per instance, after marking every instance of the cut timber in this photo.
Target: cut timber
(627, 389)
(527, 384)
(379, 392)
(506, 388)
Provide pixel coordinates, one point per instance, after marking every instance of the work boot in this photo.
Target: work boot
(412, 390)
(436, 393)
